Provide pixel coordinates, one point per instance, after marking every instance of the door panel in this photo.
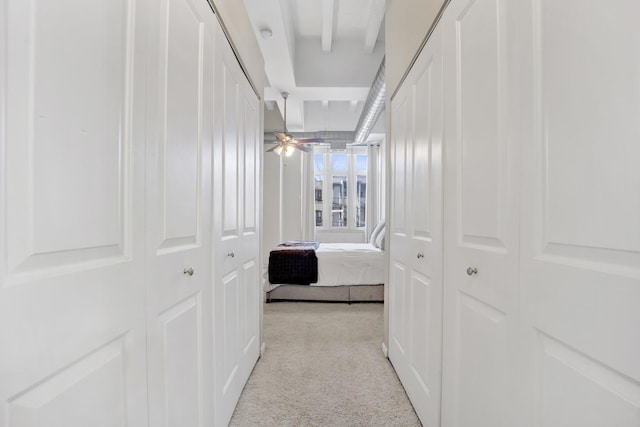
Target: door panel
(230, 148)
(401, 125)
(415, 315)
(180, 99)
(598, 395)
(482, 347)
(237, 284)
(251, 157)
(422, 347)
(71, 231)
(251, 310)
(95, 383)
(481, 216)
(47, 204)
(230, 328)
(180, 326)
(481, 161)
(581, 235)
(398, 302)
(181, 90)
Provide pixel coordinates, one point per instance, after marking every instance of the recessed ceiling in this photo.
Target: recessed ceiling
(325, 53)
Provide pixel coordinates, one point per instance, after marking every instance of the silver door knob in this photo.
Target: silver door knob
(188, 271)
(471, 271)
(231, 254)
(420, 255)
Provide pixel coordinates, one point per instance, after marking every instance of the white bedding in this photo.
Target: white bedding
(349, 264)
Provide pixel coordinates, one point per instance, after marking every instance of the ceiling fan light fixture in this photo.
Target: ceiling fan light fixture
(288, 150)
(278, 150)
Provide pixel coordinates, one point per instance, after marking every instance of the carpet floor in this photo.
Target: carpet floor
(323, 366)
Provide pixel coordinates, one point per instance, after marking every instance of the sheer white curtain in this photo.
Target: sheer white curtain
(307, 198)
(375, 186)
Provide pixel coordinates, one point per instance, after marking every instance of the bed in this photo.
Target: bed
(342, 271)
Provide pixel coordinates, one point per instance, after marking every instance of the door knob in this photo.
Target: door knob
(188, 271)
(471, 271)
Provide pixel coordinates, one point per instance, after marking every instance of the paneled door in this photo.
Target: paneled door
(180, 133)
(72, 291)
(415, 295)
(237, 292)
(580, 252)
(481, 217)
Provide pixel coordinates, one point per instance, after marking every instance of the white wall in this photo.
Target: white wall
(271, 204)
(292, 196)
(407, 23)
(282, 206)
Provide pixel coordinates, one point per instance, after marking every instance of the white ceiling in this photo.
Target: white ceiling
(325, 53)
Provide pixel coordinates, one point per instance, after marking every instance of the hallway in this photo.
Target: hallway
(323, 367)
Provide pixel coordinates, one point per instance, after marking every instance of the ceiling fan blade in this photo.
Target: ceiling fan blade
(273, 148)
(308, 140)
(281, 136)
(303, 148)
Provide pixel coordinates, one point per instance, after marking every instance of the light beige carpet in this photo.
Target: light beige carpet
(323, 367)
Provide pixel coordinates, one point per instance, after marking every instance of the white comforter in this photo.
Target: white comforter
(349, 264)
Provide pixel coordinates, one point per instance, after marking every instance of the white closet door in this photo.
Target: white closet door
(72, 346)
(180, 116)
(237, 292)
(580, 266)
(415, 295)
(481, 217)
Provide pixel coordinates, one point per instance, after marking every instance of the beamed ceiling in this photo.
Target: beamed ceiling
(325, 53)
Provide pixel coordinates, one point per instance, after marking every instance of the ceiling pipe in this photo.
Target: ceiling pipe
(373, 107)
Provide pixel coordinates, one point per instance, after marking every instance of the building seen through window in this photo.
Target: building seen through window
(343, 176)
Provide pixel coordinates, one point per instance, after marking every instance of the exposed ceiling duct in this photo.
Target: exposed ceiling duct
(373, 107)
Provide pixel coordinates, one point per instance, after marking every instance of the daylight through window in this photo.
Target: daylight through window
(340, 188)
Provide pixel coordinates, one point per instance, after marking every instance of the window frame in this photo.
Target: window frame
(352, 174)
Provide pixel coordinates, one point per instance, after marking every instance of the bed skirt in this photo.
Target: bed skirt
(355, 293)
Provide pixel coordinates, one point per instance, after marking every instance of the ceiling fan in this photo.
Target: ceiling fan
(286, 142)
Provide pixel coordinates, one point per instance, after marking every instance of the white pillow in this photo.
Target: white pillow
(379, 243)
(375, 232)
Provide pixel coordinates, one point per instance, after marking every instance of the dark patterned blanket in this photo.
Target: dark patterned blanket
(294, 262)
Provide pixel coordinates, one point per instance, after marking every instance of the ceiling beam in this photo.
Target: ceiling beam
(328, 12)
(295, 113)
(374, 23)
(273, 29)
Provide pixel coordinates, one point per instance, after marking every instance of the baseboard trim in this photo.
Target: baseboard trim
(263, 348)
(384, 350)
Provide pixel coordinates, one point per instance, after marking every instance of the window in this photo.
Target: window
(342, 177)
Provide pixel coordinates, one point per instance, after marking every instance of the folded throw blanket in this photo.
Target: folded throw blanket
(294, 263)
